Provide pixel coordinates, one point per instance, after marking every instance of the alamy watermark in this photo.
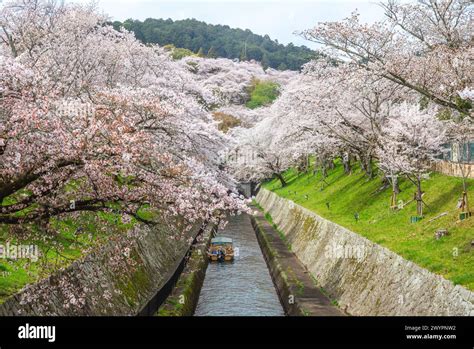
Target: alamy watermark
(338, 251)
(242, 157)
(37, 332)
(15, 252)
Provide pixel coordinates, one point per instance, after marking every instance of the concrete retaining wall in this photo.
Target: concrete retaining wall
(298, 293)
(183, 300)
(363, 277)
(107, 282)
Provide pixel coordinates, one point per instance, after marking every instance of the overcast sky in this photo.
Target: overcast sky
(277, 18)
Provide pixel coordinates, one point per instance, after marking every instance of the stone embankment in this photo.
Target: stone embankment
(363, 277)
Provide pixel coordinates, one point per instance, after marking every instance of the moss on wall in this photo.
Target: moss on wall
(185, 295)
(106, 288)
(379, 282)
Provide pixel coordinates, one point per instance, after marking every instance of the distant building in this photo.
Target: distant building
(460, 153)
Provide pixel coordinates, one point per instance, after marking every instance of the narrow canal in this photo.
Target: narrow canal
(243, 287)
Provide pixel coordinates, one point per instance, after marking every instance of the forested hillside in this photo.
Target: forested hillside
(219, 41)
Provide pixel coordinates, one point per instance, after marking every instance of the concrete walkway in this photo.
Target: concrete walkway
(297, 290)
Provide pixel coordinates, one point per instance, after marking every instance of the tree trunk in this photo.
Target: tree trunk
(395, 190)
(396, 186)
(346, 161)
(362, 164)
(324, 170)
(465, 200)
(302, 165)
(331, 165)
(315, 166)
(465, 205)
(368, 166)
(419, 199)
(282, 180)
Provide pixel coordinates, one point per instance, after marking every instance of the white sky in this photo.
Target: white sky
(277, 18)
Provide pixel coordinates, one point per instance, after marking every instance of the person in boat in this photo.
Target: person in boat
(221, 254)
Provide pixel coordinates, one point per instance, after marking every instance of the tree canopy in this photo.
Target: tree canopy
(219, 41)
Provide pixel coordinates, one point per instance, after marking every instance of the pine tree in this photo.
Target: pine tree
(201, 53)
(243, 55)
(211, 53)
(265, 62)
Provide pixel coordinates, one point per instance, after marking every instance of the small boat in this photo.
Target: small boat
(221, 250)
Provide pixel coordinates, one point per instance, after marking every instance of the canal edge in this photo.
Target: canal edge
(184, 297)
(298, 294)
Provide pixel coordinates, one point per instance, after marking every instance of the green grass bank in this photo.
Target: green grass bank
(360, 205)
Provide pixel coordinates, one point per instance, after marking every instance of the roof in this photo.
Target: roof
(221, 240)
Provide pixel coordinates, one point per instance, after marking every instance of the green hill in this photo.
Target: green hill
(344, 195)
(219, 41)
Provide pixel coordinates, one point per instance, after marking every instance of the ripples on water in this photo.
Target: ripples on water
(243, 287)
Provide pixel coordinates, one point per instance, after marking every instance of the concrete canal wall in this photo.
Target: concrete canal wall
(299, 294)
(106, 282)
(185, 295)
(363, 277)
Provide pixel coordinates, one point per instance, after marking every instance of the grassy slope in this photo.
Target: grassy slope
(262, 93)
(350, 194)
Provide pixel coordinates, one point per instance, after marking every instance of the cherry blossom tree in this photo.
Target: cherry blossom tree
(378, 96)
(247, 117)
(258, 154)
(226, 82)
(424, 46)
(86, 105)
(298, 125)
(460, 133)
(351, 105)
(413, 139)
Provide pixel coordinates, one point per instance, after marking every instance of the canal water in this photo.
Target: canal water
(243, 287)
